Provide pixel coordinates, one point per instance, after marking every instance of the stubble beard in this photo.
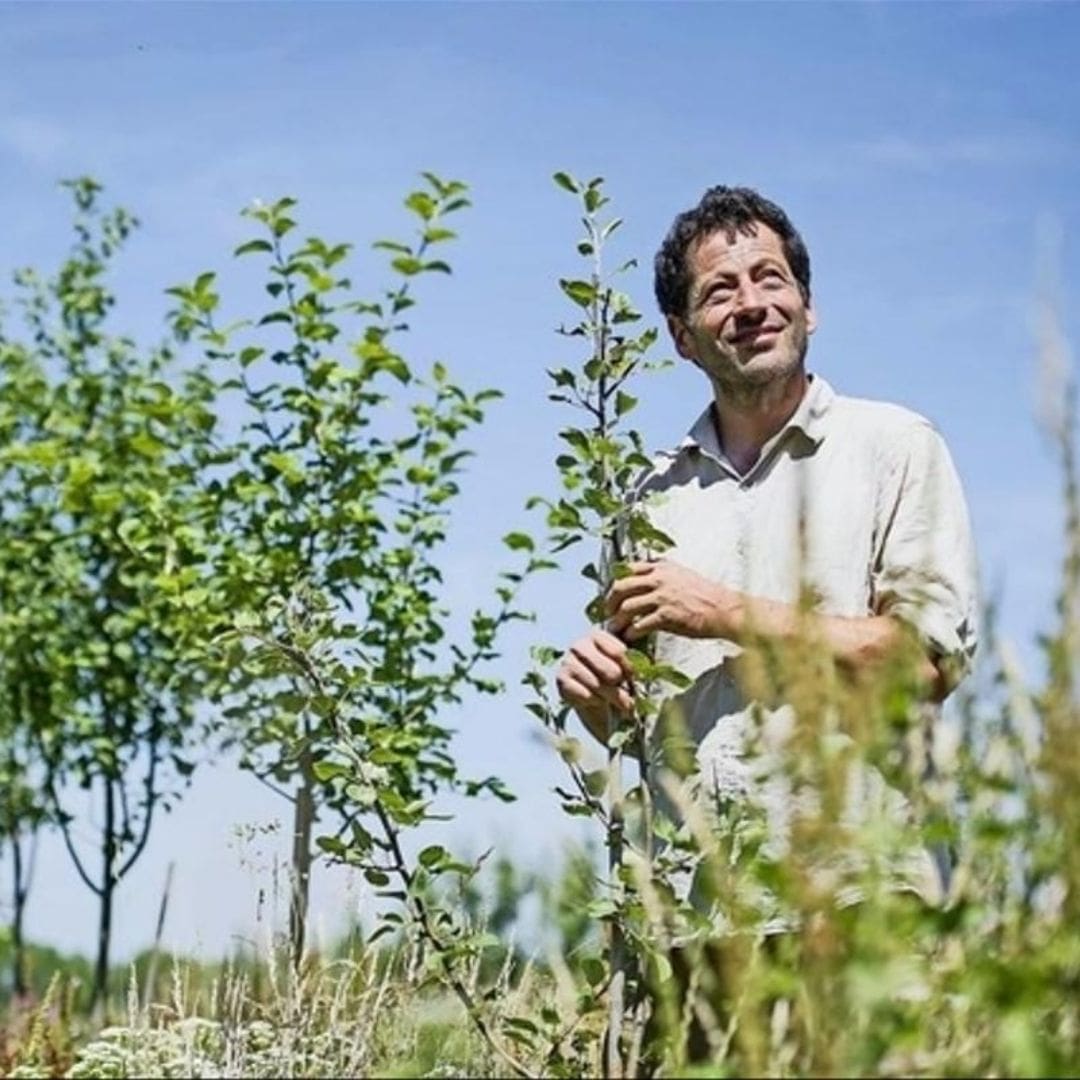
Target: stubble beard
(749, 388)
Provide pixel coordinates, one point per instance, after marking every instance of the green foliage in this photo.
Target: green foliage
(334, 657)
(286, 571)
(43, 965)
(599, 473)
(289, 571)
(101, 541)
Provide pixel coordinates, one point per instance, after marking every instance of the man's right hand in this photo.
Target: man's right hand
(594, 675)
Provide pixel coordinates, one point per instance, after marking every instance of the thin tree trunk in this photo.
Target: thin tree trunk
(614, 1067)
(303, 819)
(613, 1064)
(18, 957)
(155, 953)
(108, 869)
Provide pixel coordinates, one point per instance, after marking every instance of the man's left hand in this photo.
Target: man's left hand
(666, 596)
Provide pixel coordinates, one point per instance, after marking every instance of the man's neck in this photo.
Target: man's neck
(745, 422)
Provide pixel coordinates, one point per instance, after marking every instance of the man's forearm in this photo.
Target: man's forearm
(857, 643)
(665, 596)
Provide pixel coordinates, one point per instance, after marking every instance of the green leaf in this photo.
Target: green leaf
(563, 377)
(640, 663)
(519, 541)
(642, 531)
(600, 909)
(407, 265)
(331, 845)
(420, 202)
(386, 928)
(253, 246)
(671, 675)
(328, 770)
(609, 228)
(282, 225)
(129, 529)
(596, 782)
(520, 1023)
(436, 235)
(594, 199)
(581, 292)
(567, 182)
(433, 856)
(285, 464)
(594, 971)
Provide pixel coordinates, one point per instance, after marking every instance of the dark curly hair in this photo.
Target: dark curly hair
(733, 209)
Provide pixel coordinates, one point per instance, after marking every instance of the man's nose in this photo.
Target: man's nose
(749, 300)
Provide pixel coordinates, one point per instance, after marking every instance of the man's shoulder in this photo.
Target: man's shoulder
(876, 419)
(884, 431)
(889, 439)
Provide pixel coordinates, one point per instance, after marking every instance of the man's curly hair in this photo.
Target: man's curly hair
(733, 209)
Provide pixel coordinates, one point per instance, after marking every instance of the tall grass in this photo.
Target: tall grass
(866, 979)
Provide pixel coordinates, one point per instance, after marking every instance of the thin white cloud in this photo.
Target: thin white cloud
(925, 155)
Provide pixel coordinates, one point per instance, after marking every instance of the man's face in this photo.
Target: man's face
(746, 322)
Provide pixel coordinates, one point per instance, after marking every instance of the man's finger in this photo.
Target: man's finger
(606, 668)
(627, 586)
(573, 671)
(613, 648)
(637, 578)
(643, 626)
(618, 697)
(634, 606)
(607, 643)
(575, 691)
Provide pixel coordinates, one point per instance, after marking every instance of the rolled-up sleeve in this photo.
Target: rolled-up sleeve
(925, 569)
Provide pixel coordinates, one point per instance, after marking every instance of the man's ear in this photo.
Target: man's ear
(683, 339)
(811, 317)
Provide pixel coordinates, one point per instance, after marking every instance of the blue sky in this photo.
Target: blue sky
(920, 148)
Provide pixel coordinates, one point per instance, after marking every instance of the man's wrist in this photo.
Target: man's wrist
(728, 614)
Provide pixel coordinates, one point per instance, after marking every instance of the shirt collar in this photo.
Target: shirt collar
(809, 417)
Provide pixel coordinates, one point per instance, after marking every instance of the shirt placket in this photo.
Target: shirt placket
(745, 504)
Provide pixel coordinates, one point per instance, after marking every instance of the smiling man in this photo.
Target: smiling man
(781, 484)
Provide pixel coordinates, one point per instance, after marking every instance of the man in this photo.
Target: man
(779, 485)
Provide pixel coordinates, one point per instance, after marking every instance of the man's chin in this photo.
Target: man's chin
(755, 374)
(766, 366)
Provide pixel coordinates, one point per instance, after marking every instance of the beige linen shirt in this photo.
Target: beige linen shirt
(857, 499)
